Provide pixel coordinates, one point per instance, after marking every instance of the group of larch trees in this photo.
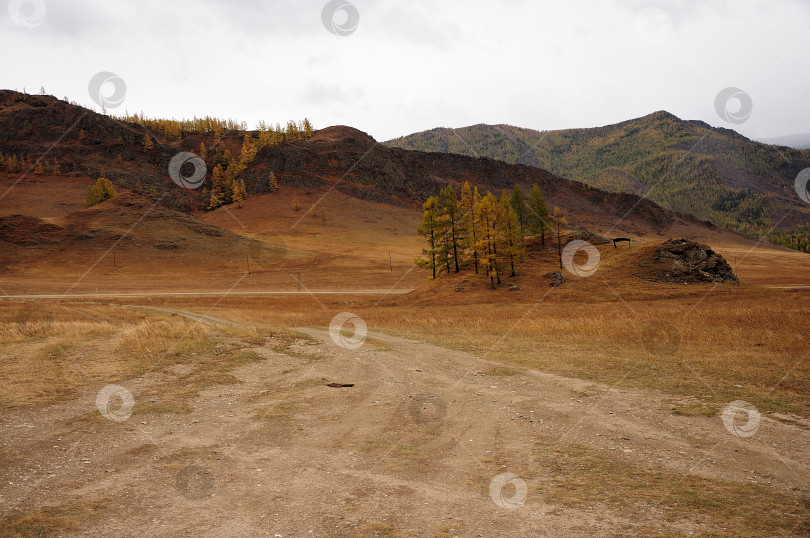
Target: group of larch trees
(486, 232)
(227, 185)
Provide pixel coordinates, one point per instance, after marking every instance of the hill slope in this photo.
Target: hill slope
(83, 144)
(687, 166)
(344, 217)
(359, 200)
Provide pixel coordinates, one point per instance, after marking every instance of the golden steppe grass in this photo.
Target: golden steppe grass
(712, 342)
(716, 345)
(54, 350)
(710, 345)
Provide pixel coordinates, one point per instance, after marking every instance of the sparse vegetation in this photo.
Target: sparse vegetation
(736, 343)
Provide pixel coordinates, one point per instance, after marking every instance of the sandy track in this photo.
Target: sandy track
(413, 446)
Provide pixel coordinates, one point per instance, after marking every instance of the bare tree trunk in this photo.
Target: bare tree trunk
(559, 248)
(475, 248)
(433, 252)
(511, 251)
(497, 266)
(455, 250)
(447, 255)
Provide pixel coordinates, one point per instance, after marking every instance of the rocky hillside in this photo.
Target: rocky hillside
(688, 166)
(77, 142)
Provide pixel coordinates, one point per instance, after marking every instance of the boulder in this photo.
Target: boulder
(556, 277)
(681, 261)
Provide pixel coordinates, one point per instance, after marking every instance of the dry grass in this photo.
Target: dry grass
(708, 345)
(703, 348)
(576, 476)
(52, 353)
(59, 358)
(743, 346)
(715, 344)
(54, 520)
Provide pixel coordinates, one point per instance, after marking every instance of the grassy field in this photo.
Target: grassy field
(732, 343)
(698, 349)
(684, 352)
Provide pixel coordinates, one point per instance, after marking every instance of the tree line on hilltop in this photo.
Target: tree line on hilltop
(173, 129)
(227, 185)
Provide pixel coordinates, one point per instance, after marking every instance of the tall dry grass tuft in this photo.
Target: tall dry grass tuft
(43, 361)
(37, 329)
(153, 340)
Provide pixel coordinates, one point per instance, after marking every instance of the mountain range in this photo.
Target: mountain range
(688, 166)
(796, 141)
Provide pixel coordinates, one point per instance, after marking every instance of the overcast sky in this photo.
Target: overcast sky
(411, 65)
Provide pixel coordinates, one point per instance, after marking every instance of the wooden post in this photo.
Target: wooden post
(390, 263)
(559, 248)
(248, 264)
(115, 268)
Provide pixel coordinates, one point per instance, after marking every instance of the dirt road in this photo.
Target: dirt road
(225, 293)
(416, 447)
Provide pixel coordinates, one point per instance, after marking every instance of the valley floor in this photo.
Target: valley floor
(182, 387)
(234, 430)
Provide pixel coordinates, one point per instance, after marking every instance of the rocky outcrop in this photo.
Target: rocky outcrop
(682, 261)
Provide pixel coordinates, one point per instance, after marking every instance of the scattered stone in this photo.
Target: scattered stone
(556, 277)
(513, 287)
(459, 288)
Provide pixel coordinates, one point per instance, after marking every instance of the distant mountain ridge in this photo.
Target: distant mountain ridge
(688, 166)
(795, 141)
